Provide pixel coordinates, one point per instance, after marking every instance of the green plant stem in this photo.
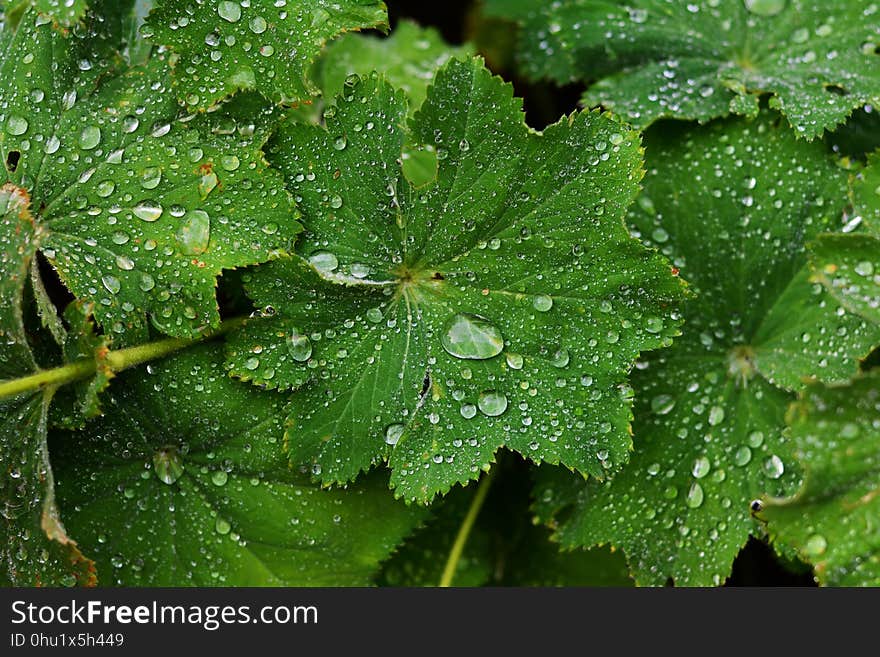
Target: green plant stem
(115, 360)
(465, 530)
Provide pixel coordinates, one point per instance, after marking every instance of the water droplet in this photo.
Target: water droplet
(701, 467)
(105, 188)
(130, 124)
(374, 315)
(111, 283)
(147, 210)
(561, 358)
(765, 7)
(299, 346)
(695, 496)
(219, 478)
(340, 143)
(229, 11)
(195, 232)
(755, 439)
(16, 125)
(468, 411)
(662, 404)
(90, 137)
(865, 268)
(393, 433)
(492, 403)
(151, 177)
(324, 261)
(472, 337)
(514, 361)
(336, 201)
(542, 303)
(222, 527)
(815, 545)
(230, 162)
(258, 25)
(742, 456)
(774, 467)
(167, 465)
(716, 416)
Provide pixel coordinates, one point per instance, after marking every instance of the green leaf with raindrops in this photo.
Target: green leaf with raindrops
(849, 265)
(183, 483)
(35, 550)
(141, 210)
(732, 204)
(831, 522)
(222, 46)
(65, 12)
(500, 305)
(704, 59)
(408, 59)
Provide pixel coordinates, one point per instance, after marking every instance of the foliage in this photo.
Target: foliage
(285, 304)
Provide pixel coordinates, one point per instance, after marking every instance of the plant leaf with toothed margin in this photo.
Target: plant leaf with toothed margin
(831, 522)
(140, 212)
(408, 59)
(732, 204)
(35, 550)
(704, 59)
(223, 46)
(65, 12)
(849, 265)
(501, 304)
(183, 483)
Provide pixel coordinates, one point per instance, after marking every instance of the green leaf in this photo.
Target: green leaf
(183, 482)
(701, 60)
(849, 265)
(65, 12)
(140, 211)
(408, 59)
(223, 46)
(501, 305)
(35, 550)
(831, 520)
(732, 204)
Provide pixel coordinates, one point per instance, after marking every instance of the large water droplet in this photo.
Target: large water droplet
(472, 337)
(16, 125)
(765, 7)
(393, 433)
(695, 496)
(701, 467)
(324, 261)
(195, 232)
(219, 478)
(662, 404)
(542, 303)
(299, 346)
(90, 137)
(229, 11)
(147, 210)
(815, 545)
(168, 465)
(774, 467)
(492, 403)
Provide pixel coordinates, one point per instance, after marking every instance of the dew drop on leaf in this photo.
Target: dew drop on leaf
(299, 346)
(542, 303)
(324, 261)
(229, 11)
(393, 433)
(492, 403)
(195, 232)
(147, 210)
(469, 336)
(168, 464)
